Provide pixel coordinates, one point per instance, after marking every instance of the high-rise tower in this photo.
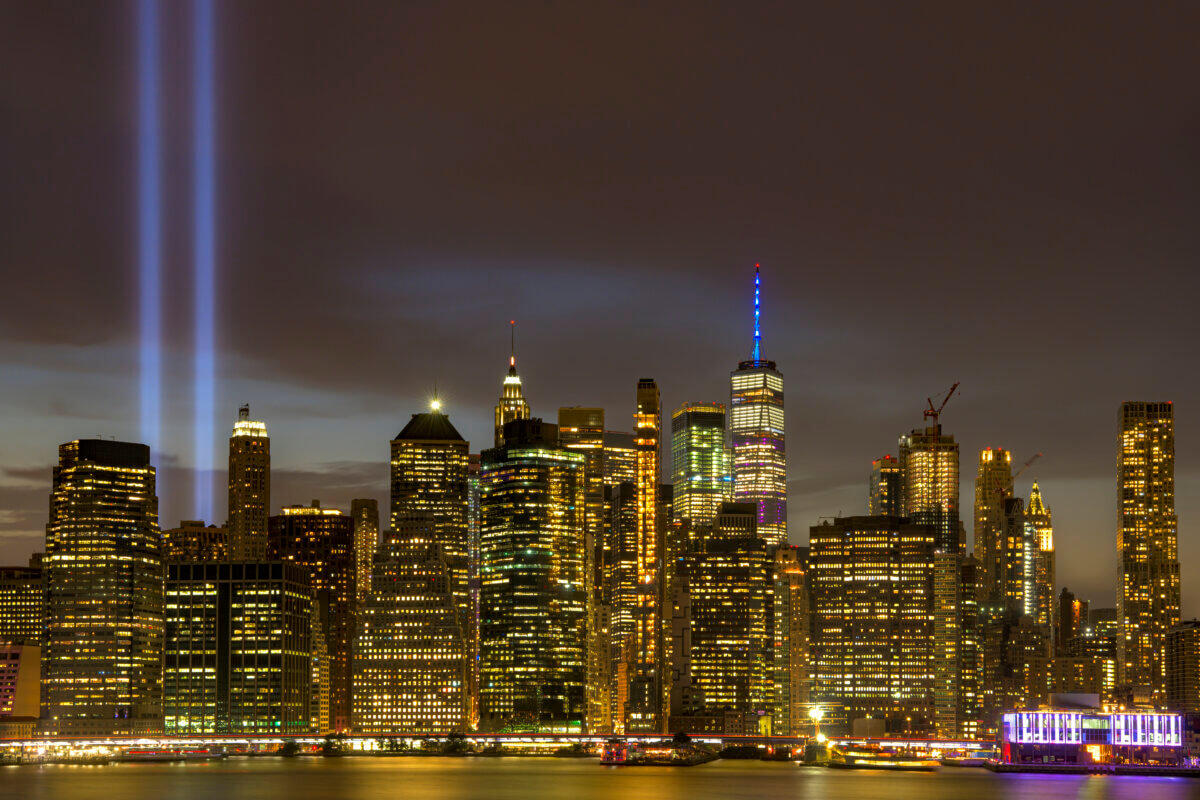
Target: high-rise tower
(699, 462)
(1038, 519)
(103, 645)
(512, 404)
(884, 492)
(757, 433)
(644, 706)
(365, 512)
(1147, 542)
(249, 488)
(993, 485)
(929, 466)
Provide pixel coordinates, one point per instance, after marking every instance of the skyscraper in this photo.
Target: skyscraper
(1147, 542)
(929, 465)
(873, 606)
(757, 434)
(238, 648)
(249, 488)
(102, 655)
(731, 588)
(1038, 519)
(22, 604)
(700, 470)
(410, 656)
(430, 464)
(365, 512)
(512, 404)
(620, 458)
(885, 494)
(193, 542)
(993, 485)
(322, 541)
(791, 608)
(644, 704)
(1183, 667)
(956, 654)
(533, 626)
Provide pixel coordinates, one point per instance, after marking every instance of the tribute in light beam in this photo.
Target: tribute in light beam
(149, 185)
(203, 237)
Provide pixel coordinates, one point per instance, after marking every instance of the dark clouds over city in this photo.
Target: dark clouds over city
(1000, 195)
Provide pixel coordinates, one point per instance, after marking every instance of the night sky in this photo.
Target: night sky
(1005, 196)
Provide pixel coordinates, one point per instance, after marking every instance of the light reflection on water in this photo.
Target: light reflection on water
(561, 779)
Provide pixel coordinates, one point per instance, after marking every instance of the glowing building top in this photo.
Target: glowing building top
(512, 403)
(249, 488)
(757, 434)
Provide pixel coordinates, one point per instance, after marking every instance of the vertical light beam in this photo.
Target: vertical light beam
(149, 185)
(203, 251)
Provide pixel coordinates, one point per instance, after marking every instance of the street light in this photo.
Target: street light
(815, 713)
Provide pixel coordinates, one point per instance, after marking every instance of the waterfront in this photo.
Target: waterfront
(533, 778)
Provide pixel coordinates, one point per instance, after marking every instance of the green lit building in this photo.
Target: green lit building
(103, 647)
(532, 628)
(699, 462)
(238, 645)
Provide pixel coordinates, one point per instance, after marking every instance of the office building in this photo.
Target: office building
(322, 541)
(533, 626)
(929, 468)
(700, 470)
(957, 658)
(22, 603)
(1038, 520)
(872, 590)
(410, 657)
(757, 434)
(365, 513)
(790, 694)
(620, 458)
(471, 629)
(993, 485)
(103, 642)
(1016, 663)
(1016, 580)
(1183, 667)
(1147, 543)
(238, 649)
(1072, 619)
(885, 493)
(732, 589)
(249, 488)
(194, 542)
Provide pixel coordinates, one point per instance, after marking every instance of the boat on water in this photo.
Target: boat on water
(171, 754)
(619, 753)
(875, 757)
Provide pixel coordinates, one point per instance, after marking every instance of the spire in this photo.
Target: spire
(1036, 504)
(757, 354)
(512, 344)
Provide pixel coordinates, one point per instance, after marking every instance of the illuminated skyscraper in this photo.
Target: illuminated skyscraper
(22, 605)
(929, 466)
(1183, 667)
(533, 622)
(731, 588)
(956, 654)
(249, 488)
(238, 648)
(410, 657)
(194, 542)
(620, 458)
(322, 540)
(873, 606)
(103, 647)
(430, 463)
(581, 430)
(1147, 542)
(512, 404)
(365, 512)
(1038, 519)
(757, 434)
(791, 608)
(700, 472)
(643, 708)
(885, 494)
(993, 485)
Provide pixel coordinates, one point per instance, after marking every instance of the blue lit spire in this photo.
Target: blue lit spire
(757, 329)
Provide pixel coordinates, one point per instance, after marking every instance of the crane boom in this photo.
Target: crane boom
(935, 413)
(1026, 465)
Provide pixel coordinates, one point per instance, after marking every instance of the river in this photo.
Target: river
(556, 779)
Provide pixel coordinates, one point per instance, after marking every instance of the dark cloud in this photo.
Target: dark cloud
(1002, 196)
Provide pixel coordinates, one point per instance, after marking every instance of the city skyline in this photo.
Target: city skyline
(923, 189)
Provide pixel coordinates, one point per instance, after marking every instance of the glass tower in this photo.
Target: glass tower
(103, 647)
(699, 462)
(757, 435)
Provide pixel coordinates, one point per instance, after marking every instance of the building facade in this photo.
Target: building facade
(365, 513)
(321, 540)
(700, 470)
(193, 542)
(993, 485)
(885, 493)
(22, 603)
(1183, 667)
(249, 488)
(1147, 542)
(103, 645)
(929, 466)
(238, 649)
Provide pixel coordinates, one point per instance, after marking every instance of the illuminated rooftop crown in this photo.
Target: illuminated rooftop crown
(248, 427)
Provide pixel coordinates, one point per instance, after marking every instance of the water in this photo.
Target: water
(556, 779)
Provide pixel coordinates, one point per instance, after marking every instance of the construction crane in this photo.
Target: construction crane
(1026, 465)
(934, 413)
